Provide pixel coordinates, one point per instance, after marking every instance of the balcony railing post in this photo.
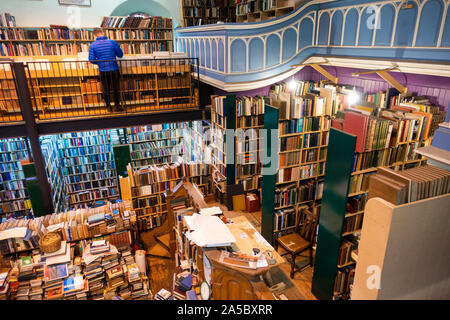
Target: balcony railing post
(26, 106)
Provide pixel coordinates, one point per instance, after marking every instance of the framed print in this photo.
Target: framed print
(85, 3)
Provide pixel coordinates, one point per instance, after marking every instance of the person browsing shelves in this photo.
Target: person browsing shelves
(103, 52)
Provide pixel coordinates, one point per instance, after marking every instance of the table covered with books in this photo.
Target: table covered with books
(247, 239)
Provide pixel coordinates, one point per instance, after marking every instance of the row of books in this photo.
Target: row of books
(345, 253)
(215, 12)
(352, 223)
(145, 34)
(343, 282)
(145, 47)
(12, 245)
(150, 221)
(386, 157)
(93, 195)
(300, 172)
(301, 157)
(136, 22)
(392, 128)
(175, 150)
(85, 150)
(76, 224)
(15, 206)
(175, 171)
(85, 160)
(250, 183)
(409, 185)
(249, 106)
(247, 7)
(301, 125)
(92, 176)
(250, 121)
(293, 194)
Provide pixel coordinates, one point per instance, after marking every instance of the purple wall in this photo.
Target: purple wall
(437, 89)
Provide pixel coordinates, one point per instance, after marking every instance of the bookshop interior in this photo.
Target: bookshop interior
(224, 150)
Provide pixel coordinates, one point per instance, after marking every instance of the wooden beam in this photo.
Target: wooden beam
(324, 72)
(373, 71)
(319, 69)
(392, 81)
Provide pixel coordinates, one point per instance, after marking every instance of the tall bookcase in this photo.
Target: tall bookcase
(54, 172)
(46, 41)
(346, 193)
(223, 119)
(201, 12)
(303, 127)
(249, 125)
(260, 10)
(15, 202)
(236, 135)
(88, 167)
(149, 187)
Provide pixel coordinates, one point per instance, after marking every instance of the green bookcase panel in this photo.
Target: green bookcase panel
(34, 190)
(341, 149)
(122, 157)
(269, 176)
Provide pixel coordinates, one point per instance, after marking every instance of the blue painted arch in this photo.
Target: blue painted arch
(239, 53)
(406, 23)
(367, 24)
(306, 33)
(430, 23)
(214, 54)
(289, 43)
(351, 26)
(336, 28)
(273, 44)
(324, 27)
(384, 32)
(255, 54)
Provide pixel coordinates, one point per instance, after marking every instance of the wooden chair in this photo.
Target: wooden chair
(301, 240)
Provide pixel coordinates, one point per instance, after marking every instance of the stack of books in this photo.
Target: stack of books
(163, 294)
(4, 285)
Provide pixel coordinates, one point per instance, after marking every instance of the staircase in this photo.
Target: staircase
(161, 247)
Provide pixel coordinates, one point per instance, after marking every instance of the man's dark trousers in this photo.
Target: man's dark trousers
(110, 81)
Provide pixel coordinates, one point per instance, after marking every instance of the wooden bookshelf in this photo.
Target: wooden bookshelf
(201, 12)
(42, 41)
(303, 126)
(261, 10)
(157, 144)
(81, 150)
(149, 187)
(54, 172)
(60, 88)
(339, 227)
(13, 191)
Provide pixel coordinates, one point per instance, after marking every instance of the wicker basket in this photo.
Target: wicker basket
(50, 242)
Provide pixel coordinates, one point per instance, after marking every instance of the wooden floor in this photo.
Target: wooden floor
(162, 270)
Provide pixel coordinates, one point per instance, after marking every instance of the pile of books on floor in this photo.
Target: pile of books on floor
(83, 270)
(163, 294)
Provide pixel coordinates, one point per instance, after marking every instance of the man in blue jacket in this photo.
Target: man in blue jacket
(105, 49)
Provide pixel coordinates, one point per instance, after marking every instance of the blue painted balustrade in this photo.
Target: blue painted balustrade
(389, 30)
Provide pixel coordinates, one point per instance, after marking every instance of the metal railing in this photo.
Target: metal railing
(79, 89)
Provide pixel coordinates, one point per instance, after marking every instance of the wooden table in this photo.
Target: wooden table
(235, 283)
